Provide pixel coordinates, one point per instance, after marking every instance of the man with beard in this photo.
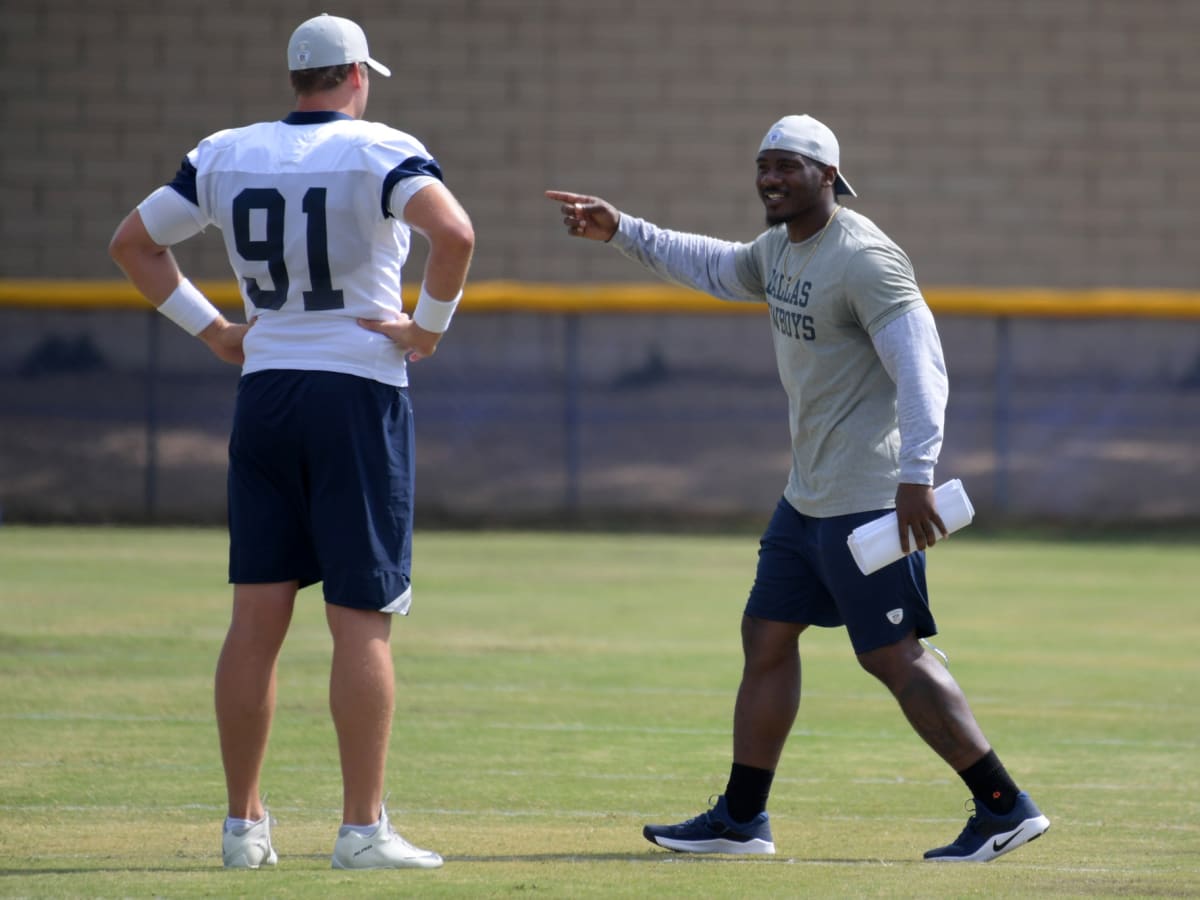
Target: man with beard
(861, 361)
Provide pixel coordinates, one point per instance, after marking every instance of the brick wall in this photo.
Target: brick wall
(1049, 142)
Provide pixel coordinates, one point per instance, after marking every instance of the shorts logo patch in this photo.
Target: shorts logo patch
(895, 616)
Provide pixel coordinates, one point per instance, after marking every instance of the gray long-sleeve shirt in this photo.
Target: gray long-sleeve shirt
(855, 345)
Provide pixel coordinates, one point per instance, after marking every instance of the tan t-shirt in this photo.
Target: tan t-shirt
(828, 297)
(825, 306)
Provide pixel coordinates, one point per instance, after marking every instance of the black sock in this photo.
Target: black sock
(990, 784)
(747, 791)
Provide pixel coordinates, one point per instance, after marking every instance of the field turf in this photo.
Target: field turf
(557, 691)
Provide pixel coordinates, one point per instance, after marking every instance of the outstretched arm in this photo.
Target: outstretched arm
(692, 260)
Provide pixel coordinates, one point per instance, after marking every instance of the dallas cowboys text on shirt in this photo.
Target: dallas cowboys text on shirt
(786, 321)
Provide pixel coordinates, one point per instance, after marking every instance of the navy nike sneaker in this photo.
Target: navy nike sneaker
(988, 835)
(714, 832)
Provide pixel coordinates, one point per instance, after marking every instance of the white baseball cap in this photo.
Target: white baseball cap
(327, 40)
(808, 137)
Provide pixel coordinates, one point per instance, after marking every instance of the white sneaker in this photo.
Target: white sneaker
(380, 849)
(249, 847)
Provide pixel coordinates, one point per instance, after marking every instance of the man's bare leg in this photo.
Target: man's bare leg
(931, 699)
(361, 698)
(245, 688)
(768, 697)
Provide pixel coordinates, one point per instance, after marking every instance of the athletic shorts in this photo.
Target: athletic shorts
(806, 575)
(321, 486)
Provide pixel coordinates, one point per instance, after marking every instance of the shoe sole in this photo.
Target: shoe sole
(1028, 831)
(755, 846)
(243, 863)
(405, 864)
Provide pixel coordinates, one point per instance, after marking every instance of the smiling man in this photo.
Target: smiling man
(860, 358)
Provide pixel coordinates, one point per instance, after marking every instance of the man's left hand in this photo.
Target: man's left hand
(406, 334)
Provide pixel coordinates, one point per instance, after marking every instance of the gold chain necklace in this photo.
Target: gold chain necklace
(837, 208)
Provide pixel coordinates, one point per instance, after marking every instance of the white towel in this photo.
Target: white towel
(877, 543)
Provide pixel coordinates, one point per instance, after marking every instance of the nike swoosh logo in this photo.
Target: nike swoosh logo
(997, 846)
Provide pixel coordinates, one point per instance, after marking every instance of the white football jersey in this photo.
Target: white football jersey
(311, 209)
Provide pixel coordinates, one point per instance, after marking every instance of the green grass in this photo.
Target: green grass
(557, 691)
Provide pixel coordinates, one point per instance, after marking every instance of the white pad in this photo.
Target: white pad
(877, 543)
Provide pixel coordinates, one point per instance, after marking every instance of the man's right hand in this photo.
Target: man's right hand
(586, 216)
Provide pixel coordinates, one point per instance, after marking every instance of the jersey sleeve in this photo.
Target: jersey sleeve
(169, 218)
(405, 189)
(403, 165)
(880, 285)
(172, 213)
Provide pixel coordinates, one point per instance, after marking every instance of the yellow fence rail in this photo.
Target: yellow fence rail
(651, 298)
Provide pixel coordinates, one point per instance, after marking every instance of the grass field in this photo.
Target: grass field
(557, 691)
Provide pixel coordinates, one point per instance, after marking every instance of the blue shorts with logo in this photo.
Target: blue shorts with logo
(806, 575)
(321, 486)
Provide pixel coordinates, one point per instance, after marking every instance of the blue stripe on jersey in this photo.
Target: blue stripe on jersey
(414, 165)
(315, 117)
(184, 182)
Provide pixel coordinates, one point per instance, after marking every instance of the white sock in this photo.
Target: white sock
(232, 824)
(365, 828)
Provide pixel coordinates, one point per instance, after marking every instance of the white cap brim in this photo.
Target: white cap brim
(378, 67)
(805, 135)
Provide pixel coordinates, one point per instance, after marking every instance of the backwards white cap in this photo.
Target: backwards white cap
(808, 137)
(327, 40)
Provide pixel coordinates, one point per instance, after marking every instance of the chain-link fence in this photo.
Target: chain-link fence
(610, 417)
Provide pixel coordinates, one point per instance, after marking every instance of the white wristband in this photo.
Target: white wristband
(432, 314)
(189, 309)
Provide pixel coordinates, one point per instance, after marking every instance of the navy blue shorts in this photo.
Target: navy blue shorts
(806, 575)
(321, 486)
